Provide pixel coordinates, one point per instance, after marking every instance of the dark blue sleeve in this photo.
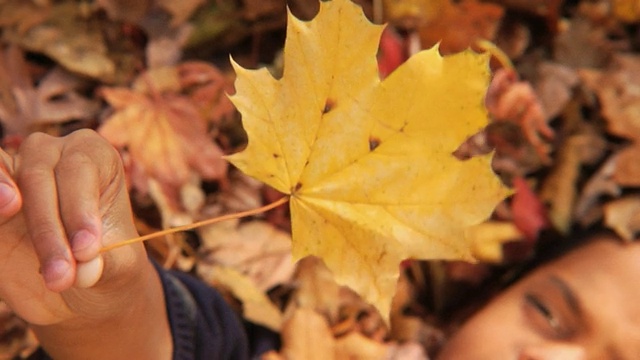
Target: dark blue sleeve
(203, 325)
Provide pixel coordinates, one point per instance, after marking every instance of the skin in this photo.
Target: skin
(61, 200)
(581, 306)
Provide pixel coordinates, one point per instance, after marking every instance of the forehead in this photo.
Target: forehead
(608, 260)
(605, 277)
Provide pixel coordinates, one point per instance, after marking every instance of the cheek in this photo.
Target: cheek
(496, 332)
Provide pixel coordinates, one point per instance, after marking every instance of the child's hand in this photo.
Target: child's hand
(61, 200)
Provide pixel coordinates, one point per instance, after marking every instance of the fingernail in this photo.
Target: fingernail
(82, 240)
(55, 270)
(88, 273)
(7, 194)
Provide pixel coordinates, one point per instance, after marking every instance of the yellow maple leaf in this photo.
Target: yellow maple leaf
(368, 164)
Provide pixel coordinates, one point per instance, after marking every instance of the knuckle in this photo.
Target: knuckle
(35, 141)
(74, 160)
(32, 174)
(90, 142)
(83, 135)
(45, 239)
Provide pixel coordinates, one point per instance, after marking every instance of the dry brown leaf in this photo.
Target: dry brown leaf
(23, 106)
(511, 100)
(208, 88)
(617, 90)
(69, 38)
(181, 10)
(163, 131)
(242, 193)
(255, 9)
(623, 216)
(411, 14)
(537, 7)
(125, 10)
(582, 44)
(627, 171)
(256, 249)
(559, 188)
(587, 210)
(554, 87)
(256, 306)
(306, 335)
(459, 26)
(165, 42)
(22, 15)
(315, 289)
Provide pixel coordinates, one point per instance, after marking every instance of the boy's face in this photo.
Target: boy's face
(585, 305)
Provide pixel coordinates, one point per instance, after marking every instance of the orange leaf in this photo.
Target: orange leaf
(164, 132)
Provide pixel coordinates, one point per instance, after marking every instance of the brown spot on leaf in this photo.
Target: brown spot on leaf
(328, 106)
(275, 156)
(374, 142)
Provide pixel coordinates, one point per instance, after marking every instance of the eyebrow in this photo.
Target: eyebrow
(568, 295)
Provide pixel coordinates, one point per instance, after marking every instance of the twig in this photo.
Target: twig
(197, 224)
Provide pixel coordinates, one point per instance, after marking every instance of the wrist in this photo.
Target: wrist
(130, 322)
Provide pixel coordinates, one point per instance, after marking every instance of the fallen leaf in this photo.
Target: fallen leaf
(626, 10)
(511, 100)
(587, 209)
(256, 249)
(411, 14)
(368, 164)
(582, 44)
(162, 130)
(165, 42)
(488, 238)
(125, 10)
(316, 289)
(618, 89)
(536, 7)
(529, 214)
(392, 52)
(181, 10)
(256, 9)
(554, 87)
(627, 172)
(55, 99)
(306, 335)
(208, 88)
(23, 15)
(73, 41)
(460, 25)
(559, 188)
(256, 306)
(623, 216)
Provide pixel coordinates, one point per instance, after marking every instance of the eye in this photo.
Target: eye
(542, 317)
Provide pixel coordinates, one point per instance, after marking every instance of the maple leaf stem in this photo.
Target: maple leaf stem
(198, 224)
(497, 53)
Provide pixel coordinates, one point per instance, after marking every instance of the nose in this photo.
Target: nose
(553, 352)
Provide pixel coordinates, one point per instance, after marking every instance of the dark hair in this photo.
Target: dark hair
(462, 300)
